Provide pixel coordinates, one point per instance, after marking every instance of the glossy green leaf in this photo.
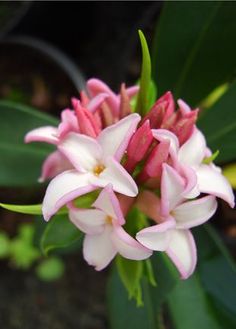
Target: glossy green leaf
(145, 81)
(35, 209)
(194, 49)
(59, 233)
(189, 306)
(20, 163)
(219, 125)
(217, 269)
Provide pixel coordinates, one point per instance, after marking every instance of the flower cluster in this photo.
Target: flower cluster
(159, 164)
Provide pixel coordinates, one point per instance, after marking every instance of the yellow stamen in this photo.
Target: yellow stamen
(109, 220)
(98, 169)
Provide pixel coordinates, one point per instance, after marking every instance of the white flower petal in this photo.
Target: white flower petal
(115, 138)
(192, 152)
(213, 182)
(90, 221)
(98, 250)
(193, 213)
(64, 188)
(109, 204)
(157, 237)
(116, 175)
(172, 187)
(127, 246)
(82, 151)
(182, 251)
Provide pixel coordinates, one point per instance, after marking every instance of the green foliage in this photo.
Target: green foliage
(20, 164)
(59, 233)
(131, 273)
(4, 245)
(50, 269)
(146, 87)
(218, 123)
(193, 51)
(22, 252)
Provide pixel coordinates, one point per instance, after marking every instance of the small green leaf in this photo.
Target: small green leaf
(148, 270)
(4, 245)
(143, 97)
(211, 158)
(50, 269)
(131, 272)
(59, 233)
(35, 209)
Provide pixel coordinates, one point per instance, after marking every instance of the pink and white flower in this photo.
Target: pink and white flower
(174, 216)
(96, 163)
(105, 236)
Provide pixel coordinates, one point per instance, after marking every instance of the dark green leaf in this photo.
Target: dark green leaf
(21, 164)
(189, 306)
(194, 49)
(59, 233)
(219, 125)
(145, 81)
(216, 268)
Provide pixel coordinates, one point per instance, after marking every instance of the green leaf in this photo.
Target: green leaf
(35, 209)
(192, 50)
(59, 233)
(131, 272)
(145, 81)
(211, 158)
(4, 245)
(189, 306)
(123, 311)
(50, 269)
(218, 123)
(20, 164)
(217, 269)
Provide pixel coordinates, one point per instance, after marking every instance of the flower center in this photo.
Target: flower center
(98, 169)
(109, 220)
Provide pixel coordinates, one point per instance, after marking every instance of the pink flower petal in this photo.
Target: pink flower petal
(96, 86)
(213, 182)
(182, 252)
(96, 102)
(90, 221)
(115, 139)
(192, 152)
(163, 135)
(116, 175)
(64, 188)
(127, 246)
(132, 91)
(98, 250)
(46, 134)
(109, 204)
(193, 213)
(183, 107)
(68, 123)
(82, 151)
(53, 165)
(157, 237)
(172, 187)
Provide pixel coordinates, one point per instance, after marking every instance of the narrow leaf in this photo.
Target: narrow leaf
(145, 80)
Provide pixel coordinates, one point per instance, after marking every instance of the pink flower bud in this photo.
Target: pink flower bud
(153, 166)
(184, 126)
(161, 111)
(139, 145)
